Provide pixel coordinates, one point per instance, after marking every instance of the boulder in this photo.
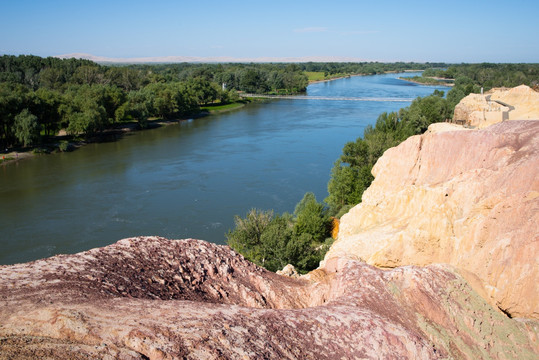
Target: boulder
(288, 270)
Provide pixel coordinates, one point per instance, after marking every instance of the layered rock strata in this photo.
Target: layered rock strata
(465, 198)
(152, 298)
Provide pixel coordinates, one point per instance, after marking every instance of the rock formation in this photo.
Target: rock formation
(465, 198)
(289, 270)
(152, 298)
(496, 105)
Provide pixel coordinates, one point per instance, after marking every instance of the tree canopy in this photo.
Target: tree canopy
(273, 240)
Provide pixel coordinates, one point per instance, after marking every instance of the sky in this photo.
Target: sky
(375, 30)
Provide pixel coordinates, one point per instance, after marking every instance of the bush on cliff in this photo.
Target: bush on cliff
(273, 241)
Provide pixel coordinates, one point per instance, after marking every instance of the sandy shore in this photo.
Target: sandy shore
(14, 156)
(337, 78)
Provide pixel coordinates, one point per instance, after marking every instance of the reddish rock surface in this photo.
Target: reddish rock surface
(154, 298)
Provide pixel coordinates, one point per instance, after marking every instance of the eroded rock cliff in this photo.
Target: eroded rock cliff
(163, 299)
(467, 198)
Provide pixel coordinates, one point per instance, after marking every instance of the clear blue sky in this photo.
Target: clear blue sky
(384, 30)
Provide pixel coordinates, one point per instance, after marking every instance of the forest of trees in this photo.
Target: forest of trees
(274, 240)
(40, 96)
(367, 68)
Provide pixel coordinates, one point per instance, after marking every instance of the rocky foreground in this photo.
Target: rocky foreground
(440, 261)
(155, 298)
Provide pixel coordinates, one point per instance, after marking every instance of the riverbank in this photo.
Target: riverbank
(219, 109)
(386, 72)
(69, 143)
(434, 82)
(334, 78)
(14, 156)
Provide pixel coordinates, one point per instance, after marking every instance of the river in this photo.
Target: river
(188, 180)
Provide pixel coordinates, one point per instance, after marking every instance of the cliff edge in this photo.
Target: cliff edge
(468, 198)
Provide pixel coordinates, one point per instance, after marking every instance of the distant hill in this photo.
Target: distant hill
(214, 59)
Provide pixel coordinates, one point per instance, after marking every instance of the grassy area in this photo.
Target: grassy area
(216, 108)
(428, 81)
(320, 76)
(315, 75)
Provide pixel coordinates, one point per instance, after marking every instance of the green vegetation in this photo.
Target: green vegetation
(429, 80)
(315, 75)
(40, 96)
(26, 127)
(322, 76)
(273, 241)
(484, 75)
(488, 75)
(217, 108)
(339, 69)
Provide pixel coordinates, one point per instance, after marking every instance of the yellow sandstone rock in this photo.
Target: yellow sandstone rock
(466, 198)
(497, 105)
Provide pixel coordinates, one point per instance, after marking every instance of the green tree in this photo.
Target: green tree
(202, 90)
(45, 104)
(246, 237)
(273, 241)
(83, 110)
(26, 127)
(139, 106)
(347, 184)
(13, 99)
(311, 218)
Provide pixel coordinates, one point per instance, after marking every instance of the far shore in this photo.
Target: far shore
(441, 83)
(51, 147)
(114, 133)
(351, 75)
(336, 78)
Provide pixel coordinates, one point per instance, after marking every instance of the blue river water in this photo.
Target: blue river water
(188, 180)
